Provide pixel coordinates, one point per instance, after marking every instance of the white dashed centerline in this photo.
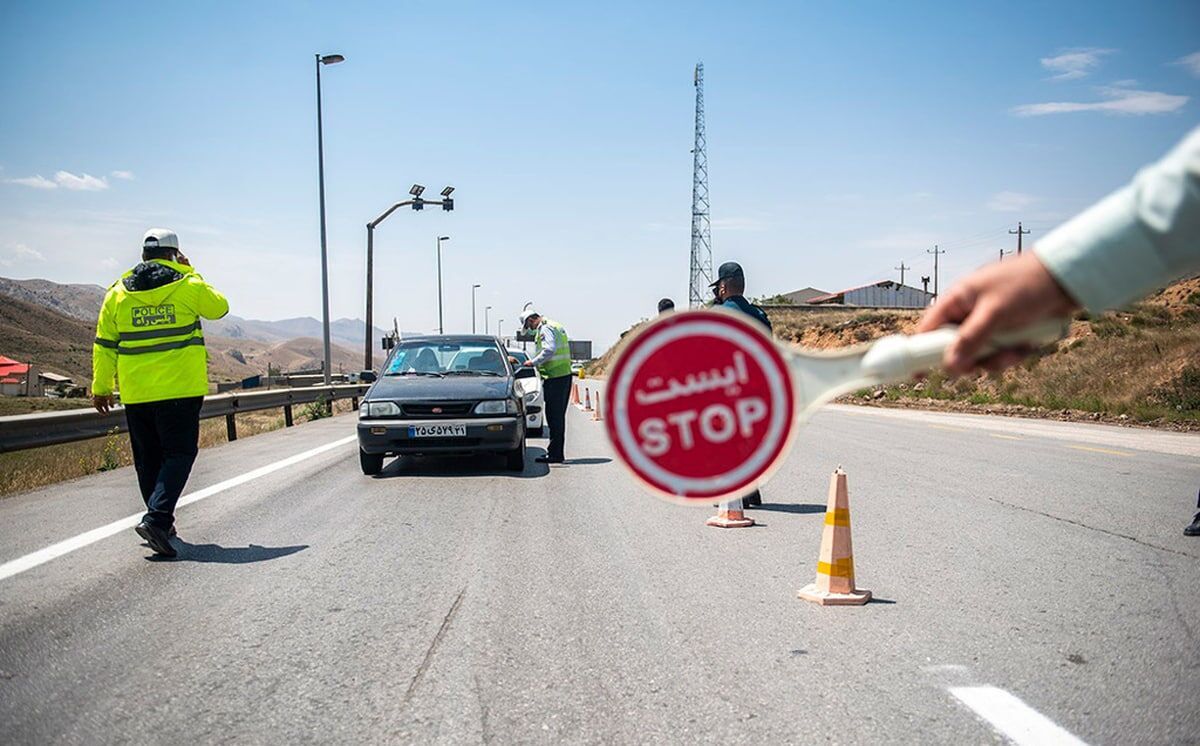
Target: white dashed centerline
(54, 551)
(1014, 719)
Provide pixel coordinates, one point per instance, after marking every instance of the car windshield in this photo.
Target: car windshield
(436, 358)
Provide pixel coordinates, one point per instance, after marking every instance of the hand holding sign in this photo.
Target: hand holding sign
(703, 404)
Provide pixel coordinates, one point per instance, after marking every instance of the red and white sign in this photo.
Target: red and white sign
(700, 406)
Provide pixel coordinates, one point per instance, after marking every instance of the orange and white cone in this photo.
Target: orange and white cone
(596, 413)
(575, 393)
(587, 399)
(835, 567)
(730, 515)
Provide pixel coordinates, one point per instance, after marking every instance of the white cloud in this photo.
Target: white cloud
(1118, 101)
(1010, 201)
(81, 182)
(19, 252)
(109, 263)
(66, 180)
(37, 182)
(125, 175)
(1191, 62)
(1072, 64)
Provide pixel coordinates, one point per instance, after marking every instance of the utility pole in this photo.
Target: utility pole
(901, 268)
(1003, 253)
(1018, 233)
(936, 253)
(700, 274)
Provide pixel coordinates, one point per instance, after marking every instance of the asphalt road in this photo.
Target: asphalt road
(452, 602)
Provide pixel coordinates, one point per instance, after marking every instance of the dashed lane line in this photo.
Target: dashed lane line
(54, 551)
(1093, 449)
(950, 428)
(1014, 719)
(1006, 437)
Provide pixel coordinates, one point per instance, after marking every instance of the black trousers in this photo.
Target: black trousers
(557, 393)
(165, 436)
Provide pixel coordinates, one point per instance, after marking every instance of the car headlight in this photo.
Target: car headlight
(379, 409)
(531, 397)
(496, 406)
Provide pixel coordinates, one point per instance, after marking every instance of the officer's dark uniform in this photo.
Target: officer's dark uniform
(729, 271)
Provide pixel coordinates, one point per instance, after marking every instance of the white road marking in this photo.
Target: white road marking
(42, 556)
(1014, 719)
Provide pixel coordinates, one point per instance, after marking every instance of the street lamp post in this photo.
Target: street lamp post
(473, 289)
(441, 326)
(486, 324)
(500, 330)
(328, 59)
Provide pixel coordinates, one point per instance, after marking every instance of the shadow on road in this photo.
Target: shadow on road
(586, 461)
(792, 507)
(476, 465)
(226, 555)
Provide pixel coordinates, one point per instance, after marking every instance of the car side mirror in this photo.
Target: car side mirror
(367, 376)
(525, 372)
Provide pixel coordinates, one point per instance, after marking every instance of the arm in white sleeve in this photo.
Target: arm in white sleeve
(549, 345)
(1137, 239)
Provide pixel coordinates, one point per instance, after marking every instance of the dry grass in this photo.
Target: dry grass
(22, 471)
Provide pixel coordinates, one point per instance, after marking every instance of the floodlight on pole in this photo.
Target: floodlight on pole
(416, 190)
(447, 191)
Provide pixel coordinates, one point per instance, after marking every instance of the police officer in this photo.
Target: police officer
(729, 292)
(148, 338)
(553, 361)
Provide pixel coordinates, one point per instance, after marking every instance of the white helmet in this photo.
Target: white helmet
(526, 315)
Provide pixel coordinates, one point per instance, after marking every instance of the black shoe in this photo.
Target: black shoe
(1194, 529)
(171, 533)
(548, 460)
(158, 539)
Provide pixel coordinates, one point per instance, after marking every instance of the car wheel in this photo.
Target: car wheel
(536, 432)
(371, 463)
(515, 459)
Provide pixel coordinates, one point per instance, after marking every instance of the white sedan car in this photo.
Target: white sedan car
(531, 389)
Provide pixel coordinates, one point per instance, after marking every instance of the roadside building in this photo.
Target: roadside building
(883, 294)
(15, 379)
(800, 297)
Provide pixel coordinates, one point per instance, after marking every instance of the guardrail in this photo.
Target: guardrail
(51, 428)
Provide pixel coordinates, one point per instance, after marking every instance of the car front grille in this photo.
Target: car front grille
(434, 410)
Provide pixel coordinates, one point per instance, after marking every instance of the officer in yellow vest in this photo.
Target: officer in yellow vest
(553, 361)
(148, 339)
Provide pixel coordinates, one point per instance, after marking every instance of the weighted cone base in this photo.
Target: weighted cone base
(810, 592)
(718, 521)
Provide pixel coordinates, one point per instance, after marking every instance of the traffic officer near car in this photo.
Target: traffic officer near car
(148, 339)
(728, 292)
(553, 360)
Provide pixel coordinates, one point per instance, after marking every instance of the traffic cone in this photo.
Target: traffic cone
(575, 393)
(730, 515)
(596, 414)
(835, 567)
(587, 399)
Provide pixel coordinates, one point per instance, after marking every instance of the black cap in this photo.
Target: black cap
(666, 304)
(728, 271)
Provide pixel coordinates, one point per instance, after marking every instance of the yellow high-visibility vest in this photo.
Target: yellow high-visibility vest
(150, 341)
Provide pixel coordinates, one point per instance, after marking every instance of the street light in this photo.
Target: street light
(329, 59)
(416, 190)
(486, 325)
(473, 289)
(500, 330)
(441, 327)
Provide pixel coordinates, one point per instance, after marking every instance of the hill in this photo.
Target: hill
(1140, 364)
(82, 302)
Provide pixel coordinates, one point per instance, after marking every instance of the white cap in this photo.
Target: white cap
(160, 238)
(527, 314)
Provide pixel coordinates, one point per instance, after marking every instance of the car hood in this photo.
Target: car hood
(452, 388)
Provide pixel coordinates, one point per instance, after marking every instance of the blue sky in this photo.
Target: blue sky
(843, 139)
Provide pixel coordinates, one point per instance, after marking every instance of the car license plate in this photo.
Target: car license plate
(437, 431)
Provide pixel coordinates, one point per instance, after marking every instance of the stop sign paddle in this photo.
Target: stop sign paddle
(700, 406)
(703, 405)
